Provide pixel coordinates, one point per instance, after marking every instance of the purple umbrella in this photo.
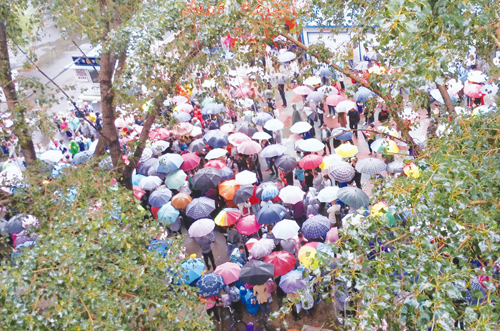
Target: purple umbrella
(292, 281)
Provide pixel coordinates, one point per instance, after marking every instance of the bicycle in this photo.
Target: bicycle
(237, 324)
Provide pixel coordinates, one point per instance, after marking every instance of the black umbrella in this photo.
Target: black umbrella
(207, 178)
(216, 138)
(197, 145)
(147, 166)
(286, 162)
(256, 272)
(243, 193)
(246, 128)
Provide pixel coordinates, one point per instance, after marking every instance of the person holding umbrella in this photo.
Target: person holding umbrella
(325, 135)
(206, 249)
(233, 239)
(354, 119)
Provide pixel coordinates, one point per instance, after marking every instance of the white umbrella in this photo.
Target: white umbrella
(215, 153)
(52, 156)
(208, 83)
(227, 128)
(313, 80)
(328, 194)
(150, 183)
(345, 106)
(201, 228)
(245, 103)
(260, 136)
(389, 130)
(245, 178)
(328, 90)
(311, 145)
(274, 125)
(9, 177)
(196, 131)
(179, 99)
(300, 127)
(159, 146)
(363, 65)
(302, 90)
(291, 194)
(491, 89)
(285, 229)
(286, 57)
(477, 76)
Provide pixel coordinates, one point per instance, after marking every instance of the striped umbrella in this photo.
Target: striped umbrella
(315, 226)
(370, 166)
(200, 208)
(353, 196)
(227, 217)
(341, 171)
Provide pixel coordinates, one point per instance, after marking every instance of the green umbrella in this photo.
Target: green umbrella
(175, 179)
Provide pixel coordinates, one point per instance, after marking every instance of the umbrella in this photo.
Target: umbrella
(291, 194)
(490, 89)
(267, 191)
(341, 171)
(200, 208)
(270, 213)
(292, 281)
(315, 96)
(372, 55)
(169, 162)
(274, 125)
(363, 94)
(196, 132)
(182, 129)
(229, 271)
(313, 80)
(228, 188)
(315, 226)
(362, 66)
(411, 170)
(246, 177)
(228, 128)
(246, 128)
(310, 161)
(324, 72)
(249, 148)
(184, 107)
(216, 164)
(328, 194)
(206, 178)
(262, 248)
(179, 99)
(216, 138)
(147, 153)
(150, 183)
(238, 138)
(244, 193)
(385, 146)
(168, 214)
(302, 90)
(245, 103)
(283, 262)
(370, 166)
(353, 196)
(389, 130)
(273, 151)
(262, 118)
(149, 165)
(332, 235)
(248, 225)
(19, 223)
(346, 150)
(197, 145)
(395, 167)
(286, 162)
(80, 157)
(227, 217)
(160, 134)
(477, 76)
(175, 179)
(334, 100)
(182, 117)
(212, 109)
(226, 173)
(256, 272)
(308, 254)
(210, 284)
(300, 127)
(345, 106)
(286, 57)
(242, 92)
(192, 269)
(327, 160)
(52, 156)
(136, 179)
(201, 227)
(278, 78)
(285, 229)
(216, 153)
(190, 161)
(160, 197)
(181, 200)
(261, 136)
(207, 101)
(120, 123)
(159, 146)
(473, 90)
(328, 90)
(342, 134)
(482, 110)
(311, 145)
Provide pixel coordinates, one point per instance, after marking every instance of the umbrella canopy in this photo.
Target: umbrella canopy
(136, 179)
(160, 197)
(334, 100)
(190, 161)
(249, 148)
(273, 151)
(345, 106)
(310, 161)
(179, 99)
(262, 248)
(256, 272)
(228, 188)
(169, 162)
(353, 196)
(138, 192)
(159, 146)
(168, 214)
(372, 56)
(52, 156)
(150, 183)
(274, 125)
(216, 153)
(315, 96)
(226, 173)
(332, 235)
(212, 109)
(342, 134)
(228, 128)
(285, 229)
(175, 179)
(216, 164)
(200, 208)
(120, 123)
(81, 157)
(491, 89)
(182, 117)
(210, 284)
(184, 107)
(242, 92)
(324, 72)
(181, 200)
(311, 145)
(308, 254)
(182, 129)
(341, 171)
(291, 194)
(206, 178)
(327, 160)
(238, 138)
(286, 57)
(300, 127)
(384, 146)
(201, 227)
(227, 217)
(246, 177)
(262, 118)
(192, 269)
(270, 213)
(261, 136)
(243, 193)
(292, 282)
(315, 226)
(328, 90)
(395, 167)
(248, 225)
(149, 165)
(313, 80)
(389, 130)
(159, 134)
(216, 138)
(370, 166)
(477, 76)
(267, 191)
(246, 128)
(197, 145)
(286, 162)
(283, 262)
(196, 131)
(328, 194)
(302, 90)
(473, 90)
(363, 94)
(346, 150)
(147, 154)
(229, 271)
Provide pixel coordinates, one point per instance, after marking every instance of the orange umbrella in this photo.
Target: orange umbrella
(181, 200)
(228, 188)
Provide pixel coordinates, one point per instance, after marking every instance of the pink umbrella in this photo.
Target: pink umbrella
(251, 242)
(334, 100)
(302, 90)
(332, 235)
(120, 123)
(159, 134)
(238, 138)
(243, 92)
(182, 129)
(217, 164)
(179, 99)
(190, 161)
(249, 148)
(310, 161)
(138, 192)
(184, 107)
(248, 225)
(473, 90)
(229, 271)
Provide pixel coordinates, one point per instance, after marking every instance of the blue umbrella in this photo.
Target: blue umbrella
(200, 208)
(145, 166)
(270, 214)
(168, 214)
(324, 72)
(212, 109)
(210, 284)
(363, 94)
(182, 116)
(216, 138)
(160, 197)
(342, 133)
(292, 281)
(161, 246)
(315, 226)
(267, 191)
(136, 179)
(192, 269)
(226, 173)
(262, 118)
(81, 157)
(169, 162)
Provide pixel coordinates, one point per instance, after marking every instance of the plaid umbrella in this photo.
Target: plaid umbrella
(210, 284)
(315, 226)
(370, 166)
(200, 208)
(353, 196)
(206, 178)
(341, 171)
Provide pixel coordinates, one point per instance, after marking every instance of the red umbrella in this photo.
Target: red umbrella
(283, 262)
(190, 161)
(217, 164)
(334, 100)
(473, 90)
(155, 210)
(159, 134)
(311, 161)
(138, 192)
(248, 225)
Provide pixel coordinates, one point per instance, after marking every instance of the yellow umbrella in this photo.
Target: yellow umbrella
(391, 147)
(411, 170)
(380, 208)
(346, 150)
(307, 256)
(327, 160)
